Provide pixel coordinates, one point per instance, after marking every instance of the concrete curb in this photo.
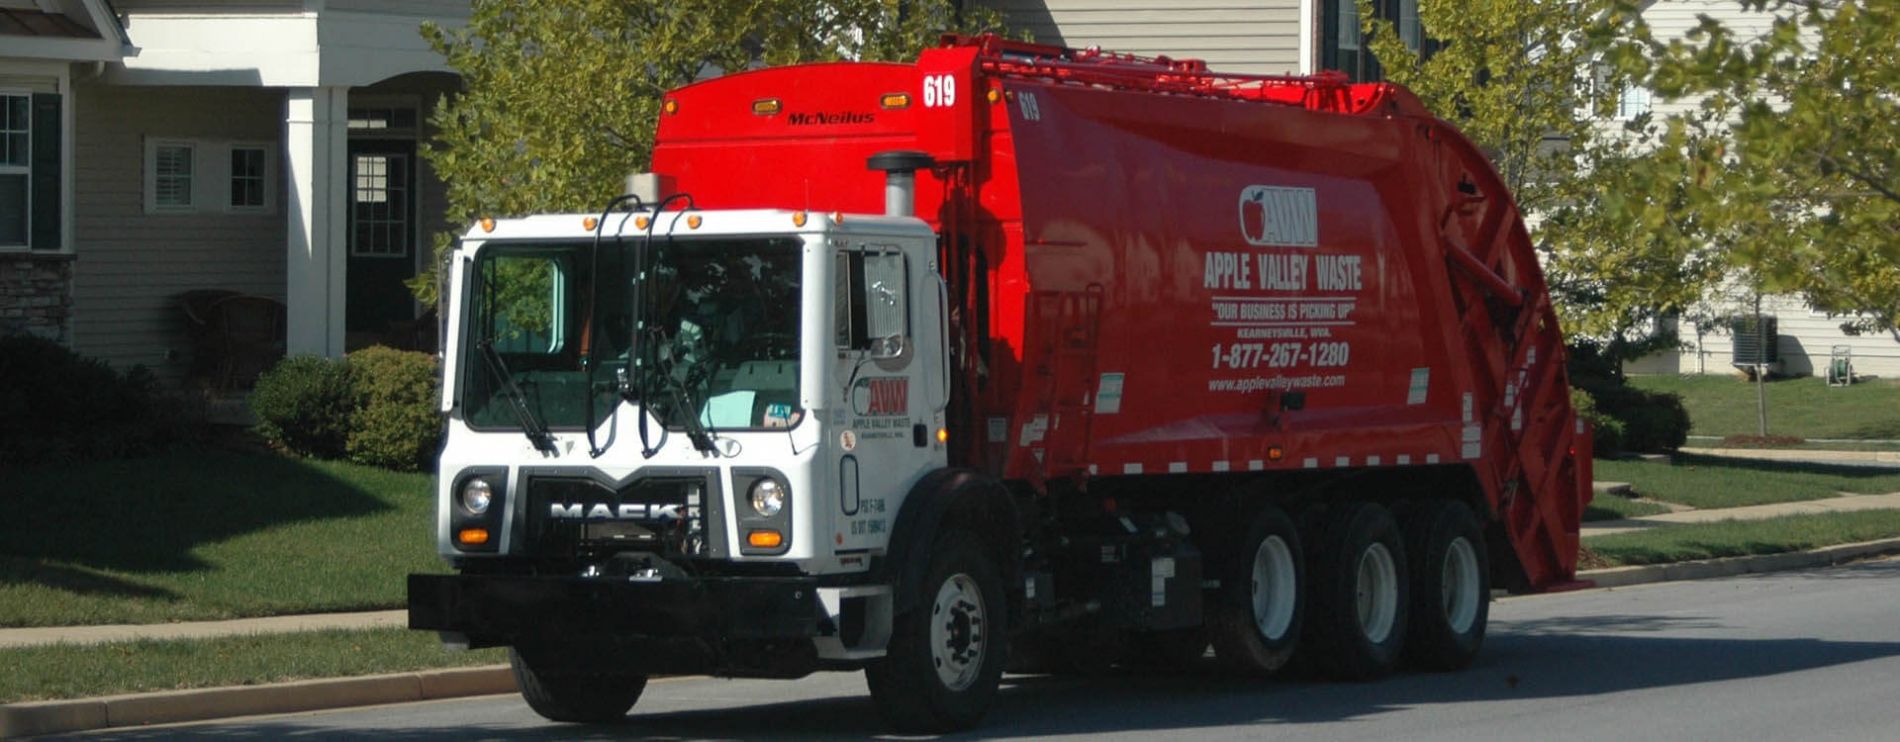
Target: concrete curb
(55, 717)
(1732, 566)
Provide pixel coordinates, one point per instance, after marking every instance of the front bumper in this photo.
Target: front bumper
(499, 609)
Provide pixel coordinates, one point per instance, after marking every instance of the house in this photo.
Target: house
(43, 47)
(262, 148)
(1270, 37)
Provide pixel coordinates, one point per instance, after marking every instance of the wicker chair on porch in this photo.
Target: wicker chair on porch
(249, 332)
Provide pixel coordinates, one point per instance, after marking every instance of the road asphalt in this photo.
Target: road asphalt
(403, 687)
(1796, 655)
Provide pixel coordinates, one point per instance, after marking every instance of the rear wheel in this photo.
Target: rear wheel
(1255, 620)
(560, 693)
(947, 653)
(1451, 586)
(1359, 591)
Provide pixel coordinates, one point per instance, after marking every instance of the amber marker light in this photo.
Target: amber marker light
(943, 435)
(672, 106)
(764, 539)
(693, 222)
(837, 217)
(1275, 453)
(589, 223)
(894, 101)
(765, 106)
(472, 536)
(488, 224)
(995, 95)
(641, 222)
(799, 218)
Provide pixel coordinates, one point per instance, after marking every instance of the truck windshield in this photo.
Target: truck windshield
(721, 342)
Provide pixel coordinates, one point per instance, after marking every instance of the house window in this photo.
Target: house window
(1633, 102)
(16, 168)
(171, 166)
(383, 117)
(1344, 48)
(250, 178)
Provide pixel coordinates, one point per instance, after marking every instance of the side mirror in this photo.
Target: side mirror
(888, 347)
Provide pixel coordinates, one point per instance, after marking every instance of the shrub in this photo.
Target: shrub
(1652, 422)
(60, 406)
(394, 422)
(303, 405)
(1606, 433)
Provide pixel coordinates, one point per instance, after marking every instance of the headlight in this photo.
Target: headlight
(476, 495)
(767, 497)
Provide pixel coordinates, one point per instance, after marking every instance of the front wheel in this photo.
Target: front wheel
(947, 653)
(559, 692)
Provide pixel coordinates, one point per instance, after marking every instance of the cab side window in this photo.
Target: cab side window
(872, 298)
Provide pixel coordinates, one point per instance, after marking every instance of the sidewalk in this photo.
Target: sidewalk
(1842, 504)
(40, 636)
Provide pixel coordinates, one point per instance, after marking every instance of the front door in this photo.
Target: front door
(885, 415)
(382, 233)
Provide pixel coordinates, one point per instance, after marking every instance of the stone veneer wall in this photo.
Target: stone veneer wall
(36, 295)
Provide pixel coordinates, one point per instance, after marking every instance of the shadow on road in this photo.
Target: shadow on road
(1530, 660)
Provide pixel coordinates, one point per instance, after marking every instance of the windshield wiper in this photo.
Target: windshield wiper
(683, 402)
(531, 426)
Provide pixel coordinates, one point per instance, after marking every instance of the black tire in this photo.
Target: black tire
(580, 697)
(1346, 544)
(1451, 586)
(1256, 632)
(910, 692)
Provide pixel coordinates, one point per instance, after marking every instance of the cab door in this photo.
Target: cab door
(888, 393)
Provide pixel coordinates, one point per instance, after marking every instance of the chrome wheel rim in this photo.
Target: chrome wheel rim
(957, 632)
(1376, 593)
(1275, 588)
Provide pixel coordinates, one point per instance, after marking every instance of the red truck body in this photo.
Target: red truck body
(1163, 270)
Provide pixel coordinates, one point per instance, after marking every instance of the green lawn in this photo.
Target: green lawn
(1713, 482)
(1618, 507)
(208, 535)
(1724, 405)
(70, 671)
(1740, 538)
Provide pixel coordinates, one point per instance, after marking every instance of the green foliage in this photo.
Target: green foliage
(303, 405)
(394, 422)
(60, 406)
(1810, 129)
(561, 96)
(1606, 433)
(378, 407)
(1648, 422)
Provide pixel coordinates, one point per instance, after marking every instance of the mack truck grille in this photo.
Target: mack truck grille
(579, 515)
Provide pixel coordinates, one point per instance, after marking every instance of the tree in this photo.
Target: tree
(1812, 110)
(1536, 85)
(560, 97)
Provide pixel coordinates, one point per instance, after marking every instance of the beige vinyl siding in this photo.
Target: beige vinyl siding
(1252, 37)
(131, 265)
(1673, 19)
(1806, 339)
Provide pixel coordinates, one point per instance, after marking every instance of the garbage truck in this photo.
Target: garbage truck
(1016, 357)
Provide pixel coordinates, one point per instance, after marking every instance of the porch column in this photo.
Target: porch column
(316, 140)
